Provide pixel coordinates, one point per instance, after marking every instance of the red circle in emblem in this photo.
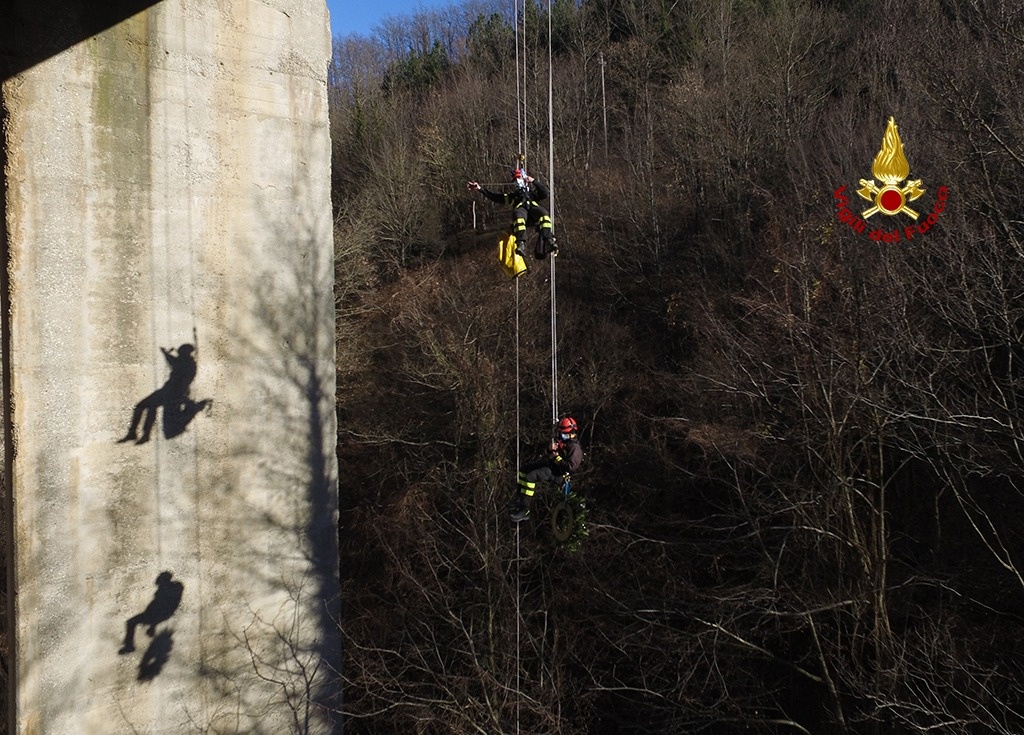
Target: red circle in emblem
(890, 200)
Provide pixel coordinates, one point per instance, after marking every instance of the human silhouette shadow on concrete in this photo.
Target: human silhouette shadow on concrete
(163, 605)
(173, 397)
(158, 653)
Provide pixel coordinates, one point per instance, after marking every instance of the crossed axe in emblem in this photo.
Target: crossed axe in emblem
(910, 192)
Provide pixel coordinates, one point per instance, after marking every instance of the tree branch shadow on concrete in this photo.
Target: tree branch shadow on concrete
(164, 604)
(315, 662)
(295, 650)
(173, 397)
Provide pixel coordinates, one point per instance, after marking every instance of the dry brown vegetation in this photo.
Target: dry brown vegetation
(804, 447)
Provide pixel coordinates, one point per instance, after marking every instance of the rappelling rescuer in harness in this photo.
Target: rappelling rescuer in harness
(526, 213)
(565, 455)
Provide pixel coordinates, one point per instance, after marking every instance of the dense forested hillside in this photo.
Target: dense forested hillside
(804, 445)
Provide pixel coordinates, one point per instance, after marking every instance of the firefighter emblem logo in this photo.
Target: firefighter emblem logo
(890, 168)
(890, 197)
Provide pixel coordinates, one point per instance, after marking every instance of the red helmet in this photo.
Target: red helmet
(567, 426)
(517, 173)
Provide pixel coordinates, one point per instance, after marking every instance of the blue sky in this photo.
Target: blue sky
(360, 16)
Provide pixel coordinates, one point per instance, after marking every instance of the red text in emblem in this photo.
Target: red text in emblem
(933, 216)
(889, 201)
(843, 213)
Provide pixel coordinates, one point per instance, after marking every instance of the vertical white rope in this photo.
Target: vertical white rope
(523, 140)
(518, 588)
(519, 89)
(551, 124)
(554, 344)
(517, 375)
(519, 697)
(521, 161)
(551, 204)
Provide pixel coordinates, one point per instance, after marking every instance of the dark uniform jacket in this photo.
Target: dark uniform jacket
(535, 192)
(569, 456)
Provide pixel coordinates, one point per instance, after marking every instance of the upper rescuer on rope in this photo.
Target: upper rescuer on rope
(565, 455)
(527, 212)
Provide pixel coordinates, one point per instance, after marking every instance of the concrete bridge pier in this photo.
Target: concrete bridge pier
(169, 258)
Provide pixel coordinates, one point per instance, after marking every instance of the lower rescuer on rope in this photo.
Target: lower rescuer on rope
(526, 212)
(565, 455)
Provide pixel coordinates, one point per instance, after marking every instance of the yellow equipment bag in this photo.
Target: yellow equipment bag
(511, 261)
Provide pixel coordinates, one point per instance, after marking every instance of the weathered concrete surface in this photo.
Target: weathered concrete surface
(167, 183)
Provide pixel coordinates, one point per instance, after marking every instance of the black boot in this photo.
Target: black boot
(545, 247)
(519, 510)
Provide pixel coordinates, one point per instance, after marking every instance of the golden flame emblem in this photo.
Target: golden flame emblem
(890, 167)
